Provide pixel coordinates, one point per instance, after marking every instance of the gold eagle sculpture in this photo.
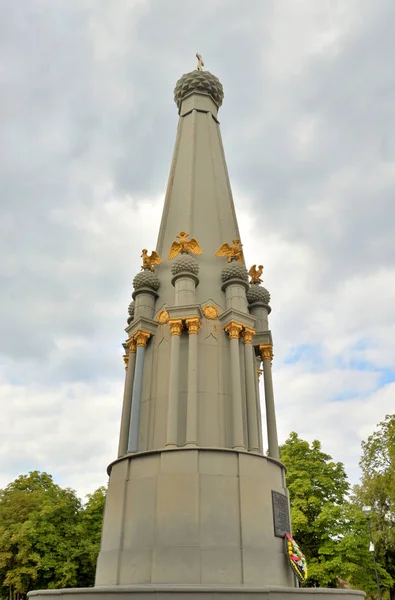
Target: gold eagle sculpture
(234, 252)
(150, 261)
(255, 274)
(184, 245)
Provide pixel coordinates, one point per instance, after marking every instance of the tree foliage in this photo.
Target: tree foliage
(377, 489)
(331, 530)
(47, 538)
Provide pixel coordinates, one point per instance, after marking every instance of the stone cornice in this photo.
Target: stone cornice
(235, 281)
(184, 312)
(231, 314)
(145, 290)
(200, 101)
(258, 305)
(141, 323)
(264, 337)
(219, 450)
(185, 275)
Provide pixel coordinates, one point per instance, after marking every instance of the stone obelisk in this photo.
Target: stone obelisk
(195, 505)
(190, 495)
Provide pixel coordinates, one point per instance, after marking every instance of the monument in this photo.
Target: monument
(196, 507)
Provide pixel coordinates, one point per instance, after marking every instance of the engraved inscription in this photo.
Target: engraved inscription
(280, 514)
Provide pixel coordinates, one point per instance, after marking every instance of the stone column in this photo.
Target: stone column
(252, 413)
(130, 361)
(258, 374)
(146, 285)
(258, 309)
(185, 269)
(141, 338)
(176, 326)
(266, 352)
(193, 325)
(185, 290)
(144, 302)
(234, 330)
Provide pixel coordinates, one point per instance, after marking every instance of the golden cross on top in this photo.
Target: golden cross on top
(200, 64)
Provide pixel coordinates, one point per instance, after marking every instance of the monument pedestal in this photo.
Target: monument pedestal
(194, 524)
(194, 516)
(204, 592)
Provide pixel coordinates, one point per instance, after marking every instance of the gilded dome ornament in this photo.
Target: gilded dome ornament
(233, 252)
(199, 82)
(184, 245)
(150, 261)
(255, 274)
(185, 263)
(257, 293)
(234, 270)
(146, 279)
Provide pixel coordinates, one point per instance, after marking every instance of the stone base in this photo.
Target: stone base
(193, 516)
(184, 592)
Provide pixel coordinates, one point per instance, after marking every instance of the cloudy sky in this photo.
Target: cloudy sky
(88, 123)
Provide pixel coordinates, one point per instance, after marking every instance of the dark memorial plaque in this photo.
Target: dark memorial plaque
(280, 514)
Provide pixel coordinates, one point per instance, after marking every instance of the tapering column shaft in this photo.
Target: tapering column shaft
(172, 410)
(252, 412)
(130, 361)
(267, 357)
(185, 291)
(193, 325)
(141, 339)
(234, 330)
(258, 373)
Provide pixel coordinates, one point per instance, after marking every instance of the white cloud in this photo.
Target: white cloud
(67, 430)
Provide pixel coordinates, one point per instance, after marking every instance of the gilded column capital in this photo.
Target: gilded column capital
(131, 344)
(234, 329)
(193, 324)
(176, 326)
(126, 361)
(259, 371)
(266, 351)
(248, 334)
(141, 337)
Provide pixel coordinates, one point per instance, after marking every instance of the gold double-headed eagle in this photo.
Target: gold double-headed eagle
(184, 245)
(234, 252)
(150, 261)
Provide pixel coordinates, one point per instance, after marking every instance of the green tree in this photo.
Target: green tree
(331, 531)
(47, 538)
(89, 536)
(377, 489)
(37, 524)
